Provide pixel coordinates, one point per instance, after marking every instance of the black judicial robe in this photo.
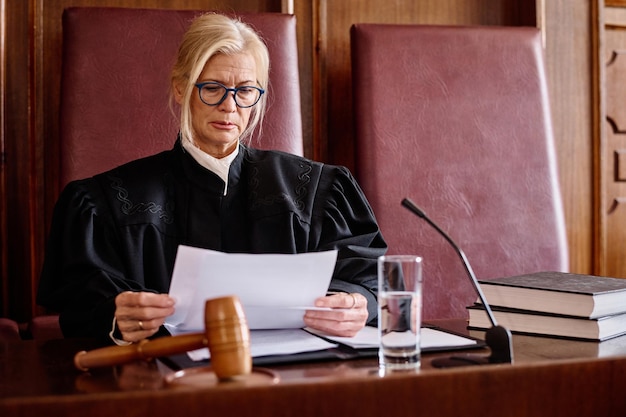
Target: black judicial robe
(120, 230)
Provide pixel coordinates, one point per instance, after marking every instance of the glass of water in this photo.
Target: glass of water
(399, 311)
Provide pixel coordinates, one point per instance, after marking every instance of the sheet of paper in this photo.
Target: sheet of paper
(430, 338)
(274, 289)
(276, 342)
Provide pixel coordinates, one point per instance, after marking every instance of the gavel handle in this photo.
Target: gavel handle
(146, 349)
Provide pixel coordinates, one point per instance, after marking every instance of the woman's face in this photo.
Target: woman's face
(216, 129)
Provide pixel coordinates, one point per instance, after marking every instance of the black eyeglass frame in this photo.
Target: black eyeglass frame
(227, 90)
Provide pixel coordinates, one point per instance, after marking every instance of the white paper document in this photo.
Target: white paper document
(274, 289)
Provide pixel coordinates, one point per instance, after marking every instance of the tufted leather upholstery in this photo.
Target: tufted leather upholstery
(115, 85)
(457, 119)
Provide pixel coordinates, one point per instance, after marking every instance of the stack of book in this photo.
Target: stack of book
(555, 304)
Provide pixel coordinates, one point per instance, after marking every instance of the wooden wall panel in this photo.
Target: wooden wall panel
(569, 60)
(16, 162)
(612, 149)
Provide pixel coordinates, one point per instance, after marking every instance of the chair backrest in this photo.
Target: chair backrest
(457, 119)
(115, 85)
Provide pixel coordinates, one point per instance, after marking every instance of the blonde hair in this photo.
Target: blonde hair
(211, 34)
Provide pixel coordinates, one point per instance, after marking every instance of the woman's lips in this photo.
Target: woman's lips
(223, 125)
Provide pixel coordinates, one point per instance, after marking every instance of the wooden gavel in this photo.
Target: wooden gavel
(226, 335)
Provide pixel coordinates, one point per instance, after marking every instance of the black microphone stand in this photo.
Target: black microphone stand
(497, 338)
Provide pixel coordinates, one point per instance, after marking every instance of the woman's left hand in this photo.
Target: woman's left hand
(347, 316)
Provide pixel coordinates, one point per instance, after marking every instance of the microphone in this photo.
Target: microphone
(497, 338)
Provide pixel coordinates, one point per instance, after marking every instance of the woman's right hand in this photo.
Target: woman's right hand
(140, 314)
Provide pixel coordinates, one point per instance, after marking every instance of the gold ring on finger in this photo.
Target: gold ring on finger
(353, 300)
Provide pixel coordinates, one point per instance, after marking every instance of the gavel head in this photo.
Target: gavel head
(228, 337)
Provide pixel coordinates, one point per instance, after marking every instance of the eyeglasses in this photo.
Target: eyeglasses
(213, 93)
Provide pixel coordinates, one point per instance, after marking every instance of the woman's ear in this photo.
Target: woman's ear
(178, 88)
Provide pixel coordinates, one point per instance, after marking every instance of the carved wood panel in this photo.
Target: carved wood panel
(613, 210)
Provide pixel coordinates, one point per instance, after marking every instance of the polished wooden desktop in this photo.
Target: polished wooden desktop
(550, 377)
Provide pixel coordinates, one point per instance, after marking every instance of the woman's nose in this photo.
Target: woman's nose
(229, 103)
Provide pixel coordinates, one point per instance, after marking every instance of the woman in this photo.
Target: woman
(114, 237)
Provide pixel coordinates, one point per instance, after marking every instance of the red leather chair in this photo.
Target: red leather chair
(115, 85)
(115, 90)
(457, 119)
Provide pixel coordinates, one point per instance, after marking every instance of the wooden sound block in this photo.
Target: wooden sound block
(205, 377)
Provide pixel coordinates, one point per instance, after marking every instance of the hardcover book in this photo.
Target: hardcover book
(562, 293)
(534, 323)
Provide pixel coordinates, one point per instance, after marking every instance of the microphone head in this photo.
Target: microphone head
(413, 207)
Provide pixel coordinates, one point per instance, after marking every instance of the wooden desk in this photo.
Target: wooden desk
(549, 378)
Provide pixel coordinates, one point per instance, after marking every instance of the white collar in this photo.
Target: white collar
(219, 167)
